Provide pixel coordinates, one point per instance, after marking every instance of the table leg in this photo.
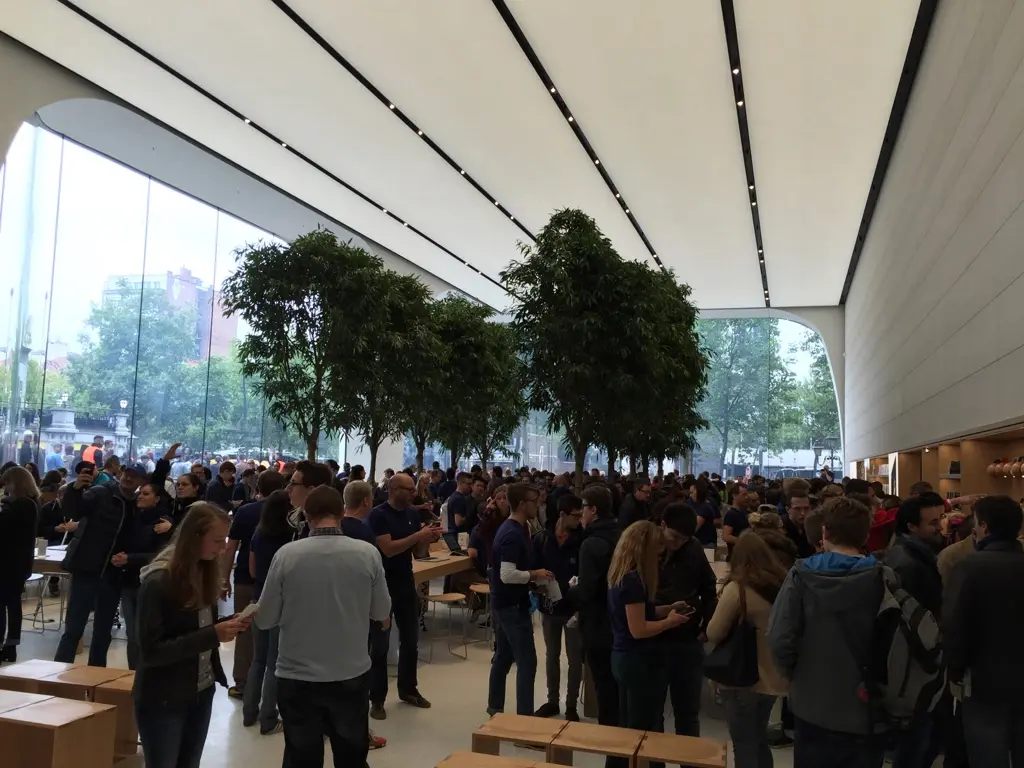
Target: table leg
(485, 745)
(557, 756)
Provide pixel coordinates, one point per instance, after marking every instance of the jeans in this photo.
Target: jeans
(10, 613)
(259, 701)
(405, 611)
(682, 679)
(637, 674)
(129, 611)
(174, 739)
(242, 595)
(994, 733)
(513, 638)
(913, 744)
(815, 747)
(599, 662)
(101, 595)
(552, 627)
(339, 710)
(748, 712)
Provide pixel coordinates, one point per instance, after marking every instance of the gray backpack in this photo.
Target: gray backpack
(905, 675)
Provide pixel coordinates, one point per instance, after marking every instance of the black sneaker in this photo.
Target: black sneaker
(572, 716)
(377, 712)
(547, 710)
(9, 654)
(416, 700)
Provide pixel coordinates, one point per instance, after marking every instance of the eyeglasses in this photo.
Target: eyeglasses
(585, 506)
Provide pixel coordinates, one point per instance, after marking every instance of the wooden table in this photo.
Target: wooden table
(58, 733)
(477, 760)
(119, 693)
(427, 570)
(80, 682)
(534, 731)
(680, 750)
(26, 675)
(598, 739)
(11, 700)
(50, 564)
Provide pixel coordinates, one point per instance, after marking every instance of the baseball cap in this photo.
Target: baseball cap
(138, 469)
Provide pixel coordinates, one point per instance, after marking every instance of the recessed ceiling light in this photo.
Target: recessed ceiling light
(495, 202)
(751, 186)
(552, 89)
(420, 133)
(627, 210)
(284, 145)
(248, 121)
(762, 261)
(739, 103)
(617, 196)
(597, 162)
(754, 203)
(462, 172)
(760, 250)
(570, 118)
(384, 210)
(511, 217)
(391, 106)
(736, 71)
(405, 223)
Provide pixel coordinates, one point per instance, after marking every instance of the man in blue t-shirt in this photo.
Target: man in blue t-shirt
(510, 602)
(735, 521)
(397, 528)
(459, 504)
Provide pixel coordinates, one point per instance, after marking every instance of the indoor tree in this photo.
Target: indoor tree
(312, 312)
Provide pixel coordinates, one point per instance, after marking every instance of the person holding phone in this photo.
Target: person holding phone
(686, 582)
(179, 635)
(635, 622)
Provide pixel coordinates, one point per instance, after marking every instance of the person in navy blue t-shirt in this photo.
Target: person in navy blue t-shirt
(460, 504)
(510, 602)
(632, 585)
(397, 527)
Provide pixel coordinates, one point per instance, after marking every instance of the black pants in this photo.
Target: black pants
(10, 613)
(816, 747)
(994, 733)
(599, 662)
(681, 679)
(405, 611)
(310, 711)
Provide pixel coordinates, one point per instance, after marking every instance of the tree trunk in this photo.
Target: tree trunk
(483, 461)
(421, 446)
(311, 444)
(456, 456)
(579, 454)
(661, 468)
(611, 462)
(632, 465)
(645, 467)
(373, 444)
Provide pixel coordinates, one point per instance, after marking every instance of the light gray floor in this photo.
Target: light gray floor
(416, 738)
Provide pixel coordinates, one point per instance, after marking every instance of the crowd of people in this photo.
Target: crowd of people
(882, 624)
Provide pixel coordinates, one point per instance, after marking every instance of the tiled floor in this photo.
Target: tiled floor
(416, 738)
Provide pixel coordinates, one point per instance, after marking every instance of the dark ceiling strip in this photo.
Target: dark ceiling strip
(556, 95)
(915, 51)
(224, 105)
(377, 94)
(736, 75)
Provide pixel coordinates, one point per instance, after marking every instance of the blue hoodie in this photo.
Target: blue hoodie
(821, 626)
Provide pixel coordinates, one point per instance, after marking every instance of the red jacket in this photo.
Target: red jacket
(883, 525)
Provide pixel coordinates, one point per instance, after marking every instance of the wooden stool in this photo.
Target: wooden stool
(450, 599)
(58, 733)
(680, 750)
(484, 591)
(79, 682)
(521, 729)
(119, 693)
(475, 760)
(10, 700)
(25, 675)
(597, 739)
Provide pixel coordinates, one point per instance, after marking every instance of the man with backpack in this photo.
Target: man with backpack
(821, 630)
(984, 632)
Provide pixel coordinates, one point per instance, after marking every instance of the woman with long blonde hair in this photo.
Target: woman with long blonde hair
(755, 577)
(632, 584)
(178, 635)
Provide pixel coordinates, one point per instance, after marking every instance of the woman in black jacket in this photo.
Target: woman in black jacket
(18, 512)
(179, 635)
(150, 533)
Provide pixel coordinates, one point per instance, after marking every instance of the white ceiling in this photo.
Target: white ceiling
(650, 88)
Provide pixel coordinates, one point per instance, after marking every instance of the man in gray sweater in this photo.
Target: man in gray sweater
(321, 592)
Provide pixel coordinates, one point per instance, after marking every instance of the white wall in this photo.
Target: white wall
(935, 317)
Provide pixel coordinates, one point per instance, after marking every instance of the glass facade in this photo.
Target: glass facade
(113, 325)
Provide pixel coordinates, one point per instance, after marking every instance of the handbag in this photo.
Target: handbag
(733, 662)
